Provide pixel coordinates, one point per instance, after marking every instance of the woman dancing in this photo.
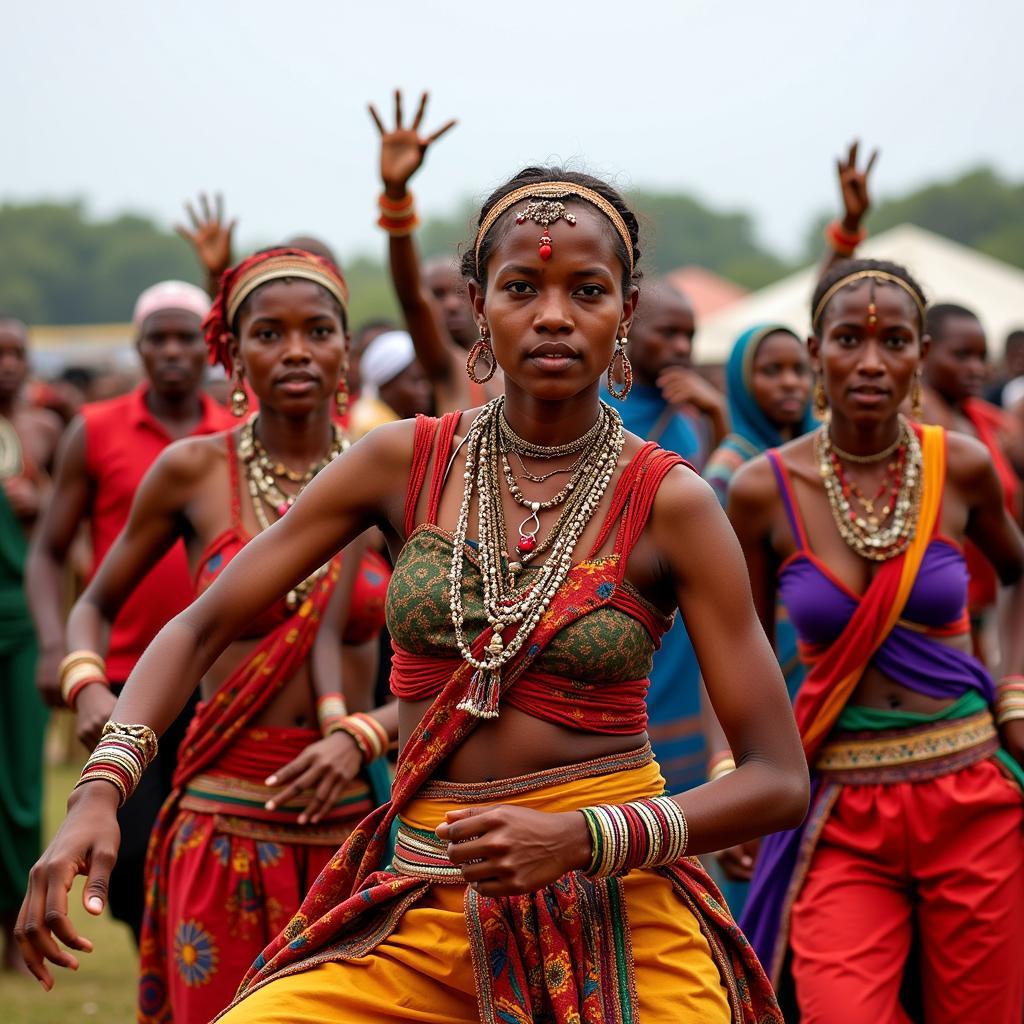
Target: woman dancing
(539, 872)
(234, 852)
(916, 825)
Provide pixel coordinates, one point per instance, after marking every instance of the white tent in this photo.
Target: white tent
(948, 271)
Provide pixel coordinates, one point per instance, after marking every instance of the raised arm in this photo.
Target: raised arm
(55, 532)
(844, 235)
(402, 152)
(210, 236)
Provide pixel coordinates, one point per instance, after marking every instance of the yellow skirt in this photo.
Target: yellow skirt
(423, 971)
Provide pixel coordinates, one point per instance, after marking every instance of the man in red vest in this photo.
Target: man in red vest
(103, 458)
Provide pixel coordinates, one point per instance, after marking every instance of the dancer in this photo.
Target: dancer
(103, 457)
(863, 522)
(28, 437)
(260, 801)
(520, 708)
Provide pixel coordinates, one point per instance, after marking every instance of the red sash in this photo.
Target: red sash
(832, 678)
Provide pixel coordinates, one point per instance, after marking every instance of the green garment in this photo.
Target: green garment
(22, 720)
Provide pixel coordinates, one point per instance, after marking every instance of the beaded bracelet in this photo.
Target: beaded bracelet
(397, 216)
(1009, 699)
(123, 753)
(368, 734)
(721, 764)
(330, 710)
(639, 834)
(77, 671)
(843, 242)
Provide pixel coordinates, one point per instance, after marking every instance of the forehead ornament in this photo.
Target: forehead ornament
(879, 276)
(545, 212)
(545, 209)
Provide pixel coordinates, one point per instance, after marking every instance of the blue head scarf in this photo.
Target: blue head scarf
(752, 431)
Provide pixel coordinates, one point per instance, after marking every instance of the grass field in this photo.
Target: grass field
(104, 986)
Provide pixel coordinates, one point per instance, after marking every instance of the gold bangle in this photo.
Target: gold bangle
(74, 675)
(723, 766)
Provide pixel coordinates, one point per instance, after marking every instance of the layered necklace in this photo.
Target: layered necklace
(488, 444)
(262, 474)
(879, 527)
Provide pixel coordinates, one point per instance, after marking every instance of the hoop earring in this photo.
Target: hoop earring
(482, 346)
(620, 392)
(917, 397)
(820, 399)
(239, 396)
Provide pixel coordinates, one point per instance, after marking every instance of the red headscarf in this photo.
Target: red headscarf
(240, 281)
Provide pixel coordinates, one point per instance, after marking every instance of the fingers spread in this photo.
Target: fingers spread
(440, 131)
(420, 111)
(376, 119)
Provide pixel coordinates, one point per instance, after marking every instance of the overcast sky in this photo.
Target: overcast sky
(138, 105)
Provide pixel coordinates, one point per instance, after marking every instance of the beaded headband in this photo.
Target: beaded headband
(287, 265)
(861, 275)
(545, 209)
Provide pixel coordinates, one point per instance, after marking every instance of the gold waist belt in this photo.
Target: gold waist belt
(907, 755)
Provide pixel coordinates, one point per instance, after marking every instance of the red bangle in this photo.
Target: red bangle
(842, 241)
(396, 206)
(81, 685)
(398, 228)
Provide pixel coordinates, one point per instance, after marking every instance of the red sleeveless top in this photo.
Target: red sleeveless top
(593, 674)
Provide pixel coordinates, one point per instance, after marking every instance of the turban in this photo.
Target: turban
(385, 358)
(170, 295)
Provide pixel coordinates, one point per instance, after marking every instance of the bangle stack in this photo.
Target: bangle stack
(330, 711)
(397, 216)
(842, 242)
(1009, 699)
(640, 834)
(368, 734)
(77, 671)
(123, 753)
(721, 764)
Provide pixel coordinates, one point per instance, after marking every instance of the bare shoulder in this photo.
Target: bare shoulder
(388, 446)
(186, 463)
(753, 486)
(968, 462)
(685, 502)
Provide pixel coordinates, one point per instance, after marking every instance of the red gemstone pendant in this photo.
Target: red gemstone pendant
(526, 544)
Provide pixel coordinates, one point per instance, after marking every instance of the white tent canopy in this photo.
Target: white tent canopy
(948, 272)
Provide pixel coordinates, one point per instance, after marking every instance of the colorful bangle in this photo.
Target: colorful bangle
(77, 670)
(638, 834)
(841, 241)
(721, 764)
(398, 216)
(330, 710)
(368, 734)
(123, 753)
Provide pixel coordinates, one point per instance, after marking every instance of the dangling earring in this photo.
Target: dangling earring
(917, 397)
(820, 399)
(620, 391)
(482, 346)
(239, 397)
(341, 397)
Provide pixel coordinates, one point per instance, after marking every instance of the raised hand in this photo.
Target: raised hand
(210, 236)
(853, 184)
(402, 150)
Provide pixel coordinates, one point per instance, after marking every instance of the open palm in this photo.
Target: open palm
(402, 150)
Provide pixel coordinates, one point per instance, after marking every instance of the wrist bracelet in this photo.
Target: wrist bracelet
(123, 753)
(368, 734)
(841, 241)
(638, 834)
(397, 216)
(77, 670)
(330, 710)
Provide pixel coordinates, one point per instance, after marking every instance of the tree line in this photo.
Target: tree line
(60, 265)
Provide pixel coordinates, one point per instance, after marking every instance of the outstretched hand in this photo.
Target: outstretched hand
(210, 236)
(402, 150)
(853, 184)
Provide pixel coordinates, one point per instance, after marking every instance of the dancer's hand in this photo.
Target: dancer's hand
(853, 184)
(738, 861)
(85, 844)
(325, 767)
(402, 150)
(93, 708)
(681, 386)
(507, 851)
(1012, 734)
(210, 236)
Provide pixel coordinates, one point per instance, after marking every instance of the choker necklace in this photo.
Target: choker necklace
(512, 442)
(866, 460)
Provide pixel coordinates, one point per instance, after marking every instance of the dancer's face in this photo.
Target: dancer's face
(554, 322)
(292, 345)
(868, 361)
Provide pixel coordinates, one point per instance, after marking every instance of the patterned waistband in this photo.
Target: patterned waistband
(499, 789)
(908, 755)
(420, 854)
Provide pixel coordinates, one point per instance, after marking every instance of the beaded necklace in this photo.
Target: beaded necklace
(502, 606)
(867, 535)
(260, 471)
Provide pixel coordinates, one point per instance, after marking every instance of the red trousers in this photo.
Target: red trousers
(943, 858)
